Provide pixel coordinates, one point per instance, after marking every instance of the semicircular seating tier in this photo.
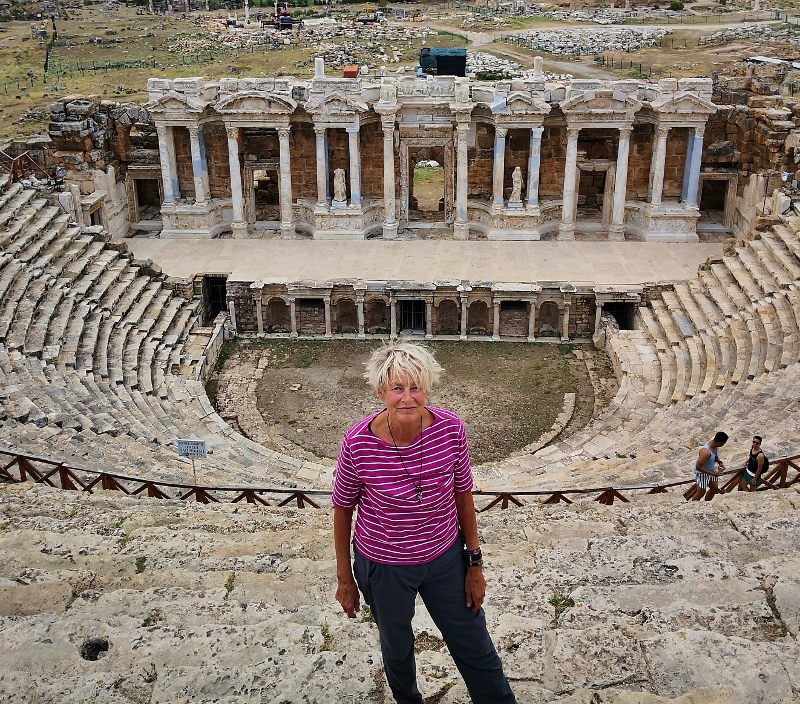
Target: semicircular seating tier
(101, 359)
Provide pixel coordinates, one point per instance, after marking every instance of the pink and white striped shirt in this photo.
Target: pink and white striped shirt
(392, 527)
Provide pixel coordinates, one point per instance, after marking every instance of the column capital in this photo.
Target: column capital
(625, 132)
(537, 132)
(161, 130)
(462, 128)
(319, 130)
(699, 130)
(662, 131)
(194, 130)
(354, 129)
(598, 303)
(284, 132)
(500, 132)
(573, 132)
(232, 132)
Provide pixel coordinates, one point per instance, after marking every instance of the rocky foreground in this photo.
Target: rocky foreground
(112, 599)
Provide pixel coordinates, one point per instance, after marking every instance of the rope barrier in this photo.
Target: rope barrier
(76, 479)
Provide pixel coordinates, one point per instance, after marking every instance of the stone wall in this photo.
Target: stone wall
(183, 157)
(639, 161)
(554, 160)
(242, 296)
(371, 137)
(675, 161)
(302, 145)
(216, 141)
(480, 159)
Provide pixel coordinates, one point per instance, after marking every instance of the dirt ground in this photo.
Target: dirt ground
(107, 32)
(508, 394)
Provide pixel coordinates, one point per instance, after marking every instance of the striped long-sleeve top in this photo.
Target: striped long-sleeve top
(392, 526)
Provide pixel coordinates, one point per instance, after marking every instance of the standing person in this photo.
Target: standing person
(407, 468)
(757, 464)
(705, 476)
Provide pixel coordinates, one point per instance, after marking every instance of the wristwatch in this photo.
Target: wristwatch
(474, 557)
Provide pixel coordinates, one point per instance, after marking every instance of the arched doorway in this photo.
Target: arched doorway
(478, 319)
(547, 320)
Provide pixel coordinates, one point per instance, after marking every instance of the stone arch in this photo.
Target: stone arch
(376, 316)
(346, 316)
(479, 319)
(277, 317)
(547, 320)
(448, 318)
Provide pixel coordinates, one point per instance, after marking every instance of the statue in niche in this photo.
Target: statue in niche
(516, 186)
(339, 186)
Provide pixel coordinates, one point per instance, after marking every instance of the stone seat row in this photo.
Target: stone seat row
(737, 323)
(88, 345)
(236, 603)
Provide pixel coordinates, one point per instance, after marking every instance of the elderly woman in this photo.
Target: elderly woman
(407, 469)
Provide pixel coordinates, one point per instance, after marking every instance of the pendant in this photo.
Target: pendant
(419, 494)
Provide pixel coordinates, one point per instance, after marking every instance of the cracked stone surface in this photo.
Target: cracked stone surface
(662, 601)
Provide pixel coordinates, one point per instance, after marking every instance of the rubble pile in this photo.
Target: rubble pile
(750, 31)
(577, 42)
(340, 43)
(482, 62)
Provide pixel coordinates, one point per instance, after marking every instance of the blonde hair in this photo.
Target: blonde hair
(397, 359)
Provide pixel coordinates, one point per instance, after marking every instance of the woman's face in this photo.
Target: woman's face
(404, 399)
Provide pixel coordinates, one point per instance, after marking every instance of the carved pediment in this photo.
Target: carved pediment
(176, 102)
(336, 105)
(254, 102)
(685, 104)
(601, 103)
(518, 103)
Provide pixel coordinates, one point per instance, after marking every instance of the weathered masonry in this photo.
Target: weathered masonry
(523, 159)
(440, 310)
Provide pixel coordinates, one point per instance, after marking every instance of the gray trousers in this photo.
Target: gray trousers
(391, 590)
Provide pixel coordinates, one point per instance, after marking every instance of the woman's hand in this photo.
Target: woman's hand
(347, 596)
(475, 588)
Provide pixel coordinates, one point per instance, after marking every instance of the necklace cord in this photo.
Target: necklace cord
(416, 484)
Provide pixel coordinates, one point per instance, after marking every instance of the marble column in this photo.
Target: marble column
(498, 174)
(360, 310)
(232, 312)
(616, 230)
(464, 315)
(389, 208)
(239, 226)
(166, 152)
(322, 166)
(327, 302)
(565, 323)
(428, 320)
(461, 225)
(496, 322)
(392, 317)
(694, 166)
(566, 229)
(354, 144)
(687, 166)
(657, 165)
(598, 312)
(534, 164)
(199, 167)
(532, 322)
(259, 315)
(293, 316)
(287, 216)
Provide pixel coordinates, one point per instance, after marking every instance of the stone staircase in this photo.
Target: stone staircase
(97, 359)
(127, 600)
